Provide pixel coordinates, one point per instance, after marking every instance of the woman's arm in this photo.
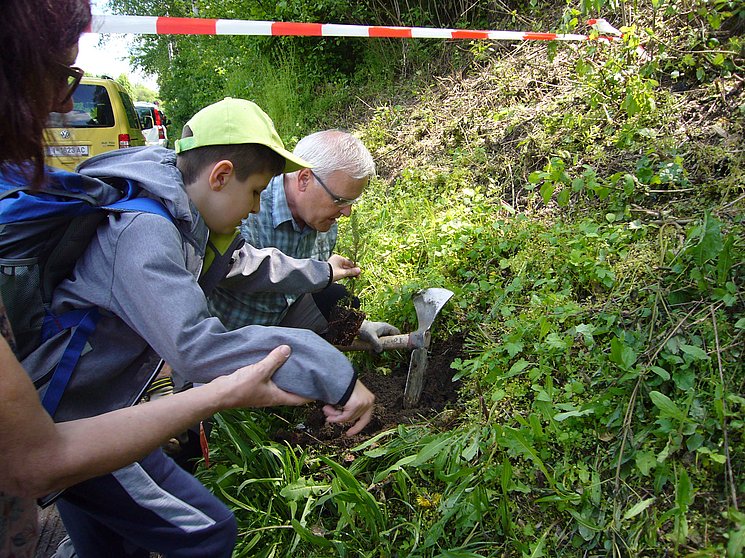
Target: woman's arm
(39, 456)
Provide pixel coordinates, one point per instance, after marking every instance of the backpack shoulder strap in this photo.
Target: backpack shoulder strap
(82, 322)
(145, 205)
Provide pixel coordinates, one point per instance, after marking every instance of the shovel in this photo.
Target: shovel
(427, 304)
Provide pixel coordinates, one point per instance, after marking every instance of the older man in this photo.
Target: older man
(298, 215)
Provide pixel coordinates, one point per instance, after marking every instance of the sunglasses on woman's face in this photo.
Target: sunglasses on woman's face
(73, 75)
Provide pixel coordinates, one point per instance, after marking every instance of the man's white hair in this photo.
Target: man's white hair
(336, 150)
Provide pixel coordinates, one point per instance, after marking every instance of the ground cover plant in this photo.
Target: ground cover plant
(585, 204)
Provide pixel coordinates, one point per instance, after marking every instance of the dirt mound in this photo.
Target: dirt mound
(439, 392)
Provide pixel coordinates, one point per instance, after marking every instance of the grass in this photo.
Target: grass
(588, 216)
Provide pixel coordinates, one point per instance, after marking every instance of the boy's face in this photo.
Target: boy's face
(230, 200)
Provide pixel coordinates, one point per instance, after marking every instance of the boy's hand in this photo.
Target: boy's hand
(342, 267)
(358, 409)
(252, 386)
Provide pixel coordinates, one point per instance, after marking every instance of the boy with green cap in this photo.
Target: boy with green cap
(141, 272)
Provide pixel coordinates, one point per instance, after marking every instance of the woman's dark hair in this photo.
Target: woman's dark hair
(33, 37)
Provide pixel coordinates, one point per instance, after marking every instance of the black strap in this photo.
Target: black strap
(220, 265)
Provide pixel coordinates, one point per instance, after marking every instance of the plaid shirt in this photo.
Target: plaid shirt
(273, 226)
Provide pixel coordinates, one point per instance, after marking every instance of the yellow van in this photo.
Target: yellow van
(103, 118)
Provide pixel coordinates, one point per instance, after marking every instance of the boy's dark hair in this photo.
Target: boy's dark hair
(32, 37)
(247, 159)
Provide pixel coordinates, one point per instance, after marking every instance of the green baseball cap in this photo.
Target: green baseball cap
(235, 121)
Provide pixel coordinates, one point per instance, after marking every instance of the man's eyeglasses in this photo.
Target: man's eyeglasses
(73, 76)
(338, 200)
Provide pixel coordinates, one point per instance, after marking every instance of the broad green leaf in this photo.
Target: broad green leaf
(696, 352)
(556, 341)
(661, 372)
(645, 462)
(622, 354)
(638, 508)
(517, 368)
(537, 176)
(563, 416)
(725, 261)
(498, 395)
(736, 542)
(709, 242)
(586, 330)
(694, 441)
(302, 489)
(716, 457)
(683, 490)
(547, 190)
(431, 449)
(538, 550)
(684, 379)
(586, 523)
(513, 347)
(406, 460)
(470, 452)
(666, 406)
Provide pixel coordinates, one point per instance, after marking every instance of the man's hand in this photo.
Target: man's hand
(358, 409)
(372, 331)
(342, 267)
(252, 386)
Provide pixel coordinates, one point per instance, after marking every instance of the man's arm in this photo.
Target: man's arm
(268, 270)
(40, 456)
(154, 293)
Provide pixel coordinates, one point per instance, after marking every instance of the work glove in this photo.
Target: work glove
(371, 331)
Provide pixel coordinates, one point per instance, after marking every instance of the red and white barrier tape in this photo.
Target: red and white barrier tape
(148, 25)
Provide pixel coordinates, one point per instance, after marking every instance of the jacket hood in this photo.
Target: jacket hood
(154, 168)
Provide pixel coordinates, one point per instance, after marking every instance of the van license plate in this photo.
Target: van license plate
(67, 150)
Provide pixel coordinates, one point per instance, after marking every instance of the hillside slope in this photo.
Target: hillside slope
(586, 207)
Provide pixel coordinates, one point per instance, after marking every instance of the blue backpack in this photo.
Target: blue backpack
(42, 234)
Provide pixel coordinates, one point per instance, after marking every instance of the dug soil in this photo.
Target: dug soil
(439, 393)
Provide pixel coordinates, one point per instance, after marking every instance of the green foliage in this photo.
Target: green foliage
(123, 80)
(143, 93)
(592, 231)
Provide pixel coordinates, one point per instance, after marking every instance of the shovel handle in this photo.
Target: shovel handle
(388, 343)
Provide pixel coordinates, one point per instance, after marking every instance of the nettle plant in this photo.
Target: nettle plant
(653, 174)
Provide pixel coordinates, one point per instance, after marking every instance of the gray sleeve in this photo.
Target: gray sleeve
(267, 270)
(154, 293)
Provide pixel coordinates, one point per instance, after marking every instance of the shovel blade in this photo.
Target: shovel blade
(428, 304)
(415, 379)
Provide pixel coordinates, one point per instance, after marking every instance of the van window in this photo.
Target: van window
(143, 112)
(91, 109)
(129, 108)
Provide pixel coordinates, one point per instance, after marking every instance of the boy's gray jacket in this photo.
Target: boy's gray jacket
(141, 271)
